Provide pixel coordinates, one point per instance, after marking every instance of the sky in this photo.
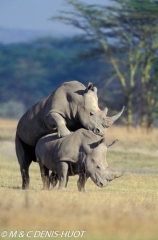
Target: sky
(34, 14)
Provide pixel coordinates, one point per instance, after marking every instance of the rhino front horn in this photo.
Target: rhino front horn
(110, 120)
(115, 117)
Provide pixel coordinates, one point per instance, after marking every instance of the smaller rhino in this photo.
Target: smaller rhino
(81, 152)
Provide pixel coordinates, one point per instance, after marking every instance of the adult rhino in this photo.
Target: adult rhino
(68, 108)
(81, 152)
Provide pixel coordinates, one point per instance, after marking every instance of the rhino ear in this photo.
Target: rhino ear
(102, 140)
(91, 87)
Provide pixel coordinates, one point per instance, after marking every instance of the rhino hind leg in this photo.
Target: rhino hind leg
(44, 175)
(25, 155)
(82, 181)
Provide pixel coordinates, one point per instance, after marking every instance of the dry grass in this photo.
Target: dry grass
(6, 123)
(135, 139)
(7, 128)
(135, 149)
(126, 209)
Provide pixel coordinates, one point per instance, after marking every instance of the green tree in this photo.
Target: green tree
(126, 33)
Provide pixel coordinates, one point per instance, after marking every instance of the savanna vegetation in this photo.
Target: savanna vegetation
(124, 33)
(126, 209)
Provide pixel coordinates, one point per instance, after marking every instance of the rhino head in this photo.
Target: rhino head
(96, 165)
(90, 115)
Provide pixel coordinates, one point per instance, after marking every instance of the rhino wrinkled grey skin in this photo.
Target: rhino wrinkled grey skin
(72, 106)
(81, 152)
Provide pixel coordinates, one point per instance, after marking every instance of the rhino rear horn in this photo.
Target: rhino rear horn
(105, 111)
(117, 175)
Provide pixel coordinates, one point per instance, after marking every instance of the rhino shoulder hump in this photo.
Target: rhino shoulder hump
(84, 135)
(73, 85)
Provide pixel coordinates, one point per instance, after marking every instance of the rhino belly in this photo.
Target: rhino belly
(50, 164)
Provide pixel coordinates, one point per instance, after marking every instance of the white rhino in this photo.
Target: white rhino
(81, 152)
(68, 108)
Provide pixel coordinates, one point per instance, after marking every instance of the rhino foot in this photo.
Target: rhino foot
(62, 188)
(82, 190)
(63, 133)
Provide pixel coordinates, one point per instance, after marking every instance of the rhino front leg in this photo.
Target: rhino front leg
(56, 119)
(82, 181)
(62, 169)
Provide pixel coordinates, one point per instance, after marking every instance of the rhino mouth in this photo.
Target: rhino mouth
(101, 182)
(97, 131)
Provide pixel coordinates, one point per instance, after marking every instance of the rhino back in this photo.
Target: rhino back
(50, 150)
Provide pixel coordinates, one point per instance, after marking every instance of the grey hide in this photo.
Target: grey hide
(81, 152)
(68, 108)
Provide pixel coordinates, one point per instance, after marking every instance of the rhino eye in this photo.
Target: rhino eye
(98, 167)
(92, 160)
(91, 113)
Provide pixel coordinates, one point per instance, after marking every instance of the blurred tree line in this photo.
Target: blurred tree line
(117, 50)
(31, 71)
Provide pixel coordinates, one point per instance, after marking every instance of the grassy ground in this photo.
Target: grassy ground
(126, 209)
